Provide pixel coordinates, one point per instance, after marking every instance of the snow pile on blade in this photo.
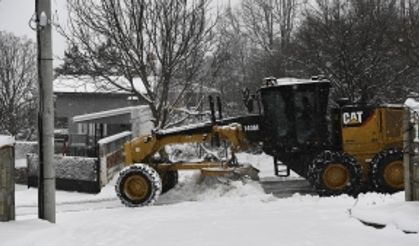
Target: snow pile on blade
(192, 188)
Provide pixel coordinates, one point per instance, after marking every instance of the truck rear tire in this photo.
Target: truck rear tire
(334, 173)
(138, 185)
(387, 172)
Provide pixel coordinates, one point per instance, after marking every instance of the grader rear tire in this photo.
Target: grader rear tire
(335, 173)
(138, 185)
(387, 172)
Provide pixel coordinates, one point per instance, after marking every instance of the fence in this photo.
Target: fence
(7, 184)
(84, 174)
(111, 155)
(72, 173)
(411, 153)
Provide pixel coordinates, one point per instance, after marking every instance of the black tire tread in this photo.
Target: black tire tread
(316, 168)
(148, 172)
(377, 168)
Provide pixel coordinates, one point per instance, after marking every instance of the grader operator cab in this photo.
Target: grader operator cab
(342, 150)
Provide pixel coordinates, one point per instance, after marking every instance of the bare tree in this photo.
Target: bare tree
(17, 84)
(405, 30)
(269, 25)
(228, 68)
(347, 42)
(269, 22)
(162, 42)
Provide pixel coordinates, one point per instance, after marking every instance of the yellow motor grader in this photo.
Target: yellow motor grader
(342, 150)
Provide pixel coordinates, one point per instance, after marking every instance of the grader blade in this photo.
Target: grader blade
(233, 173)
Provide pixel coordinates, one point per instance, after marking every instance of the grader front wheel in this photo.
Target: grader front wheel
(138, 185)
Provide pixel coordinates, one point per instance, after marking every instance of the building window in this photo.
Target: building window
(81, 128)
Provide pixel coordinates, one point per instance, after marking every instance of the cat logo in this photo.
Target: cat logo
(352, 118)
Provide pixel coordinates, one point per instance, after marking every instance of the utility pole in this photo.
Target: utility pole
(46, 184)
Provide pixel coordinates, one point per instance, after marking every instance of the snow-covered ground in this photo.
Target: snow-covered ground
(210, 214)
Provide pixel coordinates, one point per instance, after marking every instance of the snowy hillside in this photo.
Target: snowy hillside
(207, 214)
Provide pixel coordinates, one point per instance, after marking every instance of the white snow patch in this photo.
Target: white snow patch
(295, 81)
(412, 104)
(401, 215)
(192, 187)
(89, 84)
(108, 113)
(208, 213)
(114, 137)
(188, 216)
(20, 162)
(6, 140)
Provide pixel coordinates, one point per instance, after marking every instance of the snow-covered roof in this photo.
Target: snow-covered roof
(6, 140)
(89, 84)
(114, 137)
(412, 104)
(108, 113)
(292, 81)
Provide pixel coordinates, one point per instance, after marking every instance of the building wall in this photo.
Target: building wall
(68, 105)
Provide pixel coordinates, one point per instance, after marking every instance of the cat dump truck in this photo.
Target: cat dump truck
(345, 149)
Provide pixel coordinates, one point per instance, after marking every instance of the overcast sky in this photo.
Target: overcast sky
(15, 16)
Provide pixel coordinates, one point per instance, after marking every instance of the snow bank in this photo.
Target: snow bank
(22, 148)
(193, 187)
(239, 215)
(209, 213)
(6, 140)
(401, 215)
(67, 167)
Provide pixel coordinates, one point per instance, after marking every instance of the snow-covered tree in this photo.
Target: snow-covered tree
(162, 42)
(347, 42)
(17, 85)
(269, 24)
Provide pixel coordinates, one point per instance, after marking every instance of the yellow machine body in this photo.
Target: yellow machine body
(365, 136)
(140, 149)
